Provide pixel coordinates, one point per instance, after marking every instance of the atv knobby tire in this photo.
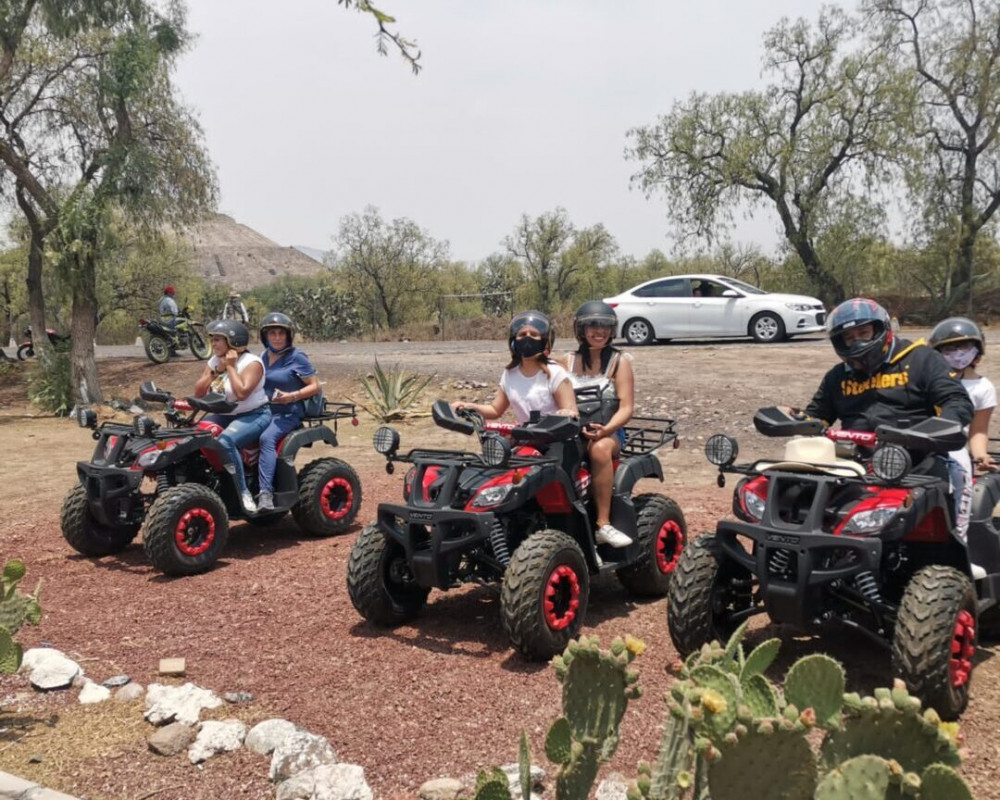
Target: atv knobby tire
(157, 349)
(544, 596)
(698, 607)
(186, 529)
(935, 638)
(375, 581)
(85, 534)
(329, 497)
(662, 532)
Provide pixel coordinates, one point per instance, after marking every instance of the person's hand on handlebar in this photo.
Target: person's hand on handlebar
(986, 464)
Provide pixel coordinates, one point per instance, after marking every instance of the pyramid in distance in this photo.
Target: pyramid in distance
(233, 255)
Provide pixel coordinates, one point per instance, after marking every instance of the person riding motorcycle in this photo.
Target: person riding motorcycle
(885, 380)
(168, 309)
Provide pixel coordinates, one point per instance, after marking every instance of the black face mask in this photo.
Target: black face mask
(528, 347)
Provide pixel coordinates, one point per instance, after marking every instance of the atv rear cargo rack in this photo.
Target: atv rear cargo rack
(645, 434)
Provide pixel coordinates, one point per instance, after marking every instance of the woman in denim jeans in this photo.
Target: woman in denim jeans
(238, 374)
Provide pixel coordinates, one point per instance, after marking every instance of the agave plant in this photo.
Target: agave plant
(392, 392)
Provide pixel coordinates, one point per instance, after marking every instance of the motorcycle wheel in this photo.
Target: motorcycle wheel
(199, 346)
(544, 596)
(24, 352)
(934, 642)
(662, 532)
(375, 573)
(85, 534)
(329, 497)
(158, 349)
(186, 529)
(701, 601)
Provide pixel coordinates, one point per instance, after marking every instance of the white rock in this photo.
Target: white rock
(613, 787)
(298, 752)
(130, 692)
(327, 782)
(94, 693)
(178, 703)
(267, 735)
(217, 737)
(50, 669)
(440, 789)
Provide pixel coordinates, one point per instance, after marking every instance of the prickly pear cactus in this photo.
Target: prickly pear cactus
(772, 762)
(16, 609)
(492, 785)
(817, 682)
(860, 778)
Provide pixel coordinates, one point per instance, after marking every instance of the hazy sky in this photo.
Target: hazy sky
(522, 106)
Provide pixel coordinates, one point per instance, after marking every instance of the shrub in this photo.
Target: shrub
(392, 392)
(15, 610)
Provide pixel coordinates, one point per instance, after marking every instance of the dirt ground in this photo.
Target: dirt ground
(442, 696)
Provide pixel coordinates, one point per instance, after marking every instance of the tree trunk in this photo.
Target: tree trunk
(33, 280)
(86, 385)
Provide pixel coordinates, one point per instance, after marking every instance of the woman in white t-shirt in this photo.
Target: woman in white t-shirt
(531, 381)
(238, 374)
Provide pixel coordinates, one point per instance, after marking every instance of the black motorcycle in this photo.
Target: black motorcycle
(161, 341)
(26, 349)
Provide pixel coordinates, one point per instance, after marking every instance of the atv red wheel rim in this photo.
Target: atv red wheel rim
(963, 648)
(195, 532)
(669, 544)
(337, 498)
(562, 598)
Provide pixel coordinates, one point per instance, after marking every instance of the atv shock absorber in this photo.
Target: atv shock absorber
(162, 482)
(778, 563)
(498, 541)
(867, 586)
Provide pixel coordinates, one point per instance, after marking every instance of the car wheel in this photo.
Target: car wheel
(638, 332)
(767, 327)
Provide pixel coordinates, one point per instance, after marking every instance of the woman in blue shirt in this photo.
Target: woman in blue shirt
(289, 378)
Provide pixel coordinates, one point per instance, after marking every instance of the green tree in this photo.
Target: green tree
(822, 127)
(953, 50)
(553, 254)
(392, 268)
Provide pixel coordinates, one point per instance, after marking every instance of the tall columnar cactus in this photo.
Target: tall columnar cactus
(16, 609)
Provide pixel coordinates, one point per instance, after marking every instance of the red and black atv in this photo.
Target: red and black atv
(515, 514)
(871, 549)
(177, 484)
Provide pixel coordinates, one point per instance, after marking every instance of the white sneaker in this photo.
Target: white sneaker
(248, 504)
(265, 502)
(609, 534)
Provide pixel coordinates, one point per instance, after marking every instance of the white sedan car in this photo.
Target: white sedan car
(706, 306)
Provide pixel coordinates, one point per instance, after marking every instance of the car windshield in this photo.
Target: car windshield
(746, 288)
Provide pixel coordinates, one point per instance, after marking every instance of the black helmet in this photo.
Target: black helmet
(533, 319)
(957, 329)
(236, 333)
(863, 357)
(594, 313)
(277, 320)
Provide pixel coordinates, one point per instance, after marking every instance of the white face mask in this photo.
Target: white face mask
(959, 358)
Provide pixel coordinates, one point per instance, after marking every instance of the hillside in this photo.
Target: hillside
(238, 257)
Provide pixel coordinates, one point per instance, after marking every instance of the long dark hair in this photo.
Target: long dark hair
(607, 353)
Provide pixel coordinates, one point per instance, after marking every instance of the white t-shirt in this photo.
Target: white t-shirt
(982, 391)
(255, 399)
(536, 393)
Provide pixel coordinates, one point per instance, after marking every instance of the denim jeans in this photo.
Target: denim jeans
(280, 425)
(241, 431)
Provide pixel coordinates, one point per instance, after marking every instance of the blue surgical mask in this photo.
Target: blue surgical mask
(960, 358)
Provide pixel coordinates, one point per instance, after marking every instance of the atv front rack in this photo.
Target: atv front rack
(646, 434)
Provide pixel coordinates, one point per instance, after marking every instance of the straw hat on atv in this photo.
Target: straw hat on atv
(813, 454)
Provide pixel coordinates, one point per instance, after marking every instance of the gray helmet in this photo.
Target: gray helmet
(957, 329)
(533, 319)
(236, 333)
(594, 313)
(277, 320)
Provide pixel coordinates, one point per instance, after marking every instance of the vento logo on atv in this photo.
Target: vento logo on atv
(421, 515)
(779, 538)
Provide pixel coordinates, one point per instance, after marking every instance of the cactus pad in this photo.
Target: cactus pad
(753, 766)
(10, 653)
(860, 778)
(817, 682)
(940, 782)
(760, 659)
(558, 741)
(759, 696)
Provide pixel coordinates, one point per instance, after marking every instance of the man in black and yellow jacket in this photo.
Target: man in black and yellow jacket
(883, 380)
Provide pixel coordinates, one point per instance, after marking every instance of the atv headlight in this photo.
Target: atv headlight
(891, 463)
(869, 521)
(492, 496)
(86, 417)
(721, 450)
(148, 459)
(496, 450)
(386, 440)
(143, 426)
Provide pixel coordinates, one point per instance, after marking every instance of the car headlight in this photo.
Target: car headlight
(798, 306)
(492, 496)
(721, 450)
(386, 440)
